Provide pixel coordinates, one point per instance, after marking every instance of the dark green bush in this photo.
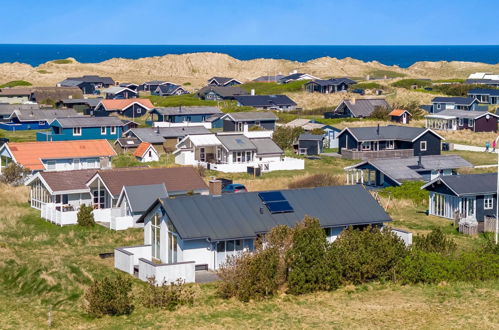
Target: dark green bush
(408, 83)
(435, 241)
(167, 295)
(309, 268)
(380, 113)
(410, 190)
(369, 254)
(15, 83)
(284, 136)
(85, 217)
(110, 296)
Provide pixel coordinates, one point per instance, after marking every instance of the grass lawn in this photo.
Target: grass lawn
(178, 100)
(20, 136)
(45, 267)
(274, 88)
(476, 158)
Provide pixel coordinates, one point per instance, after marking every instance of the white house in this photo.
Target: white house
(146, 153)
(201, 232)
(233, 153)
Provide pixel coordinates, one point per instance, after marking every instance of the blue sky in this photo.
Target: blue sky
(257, 22)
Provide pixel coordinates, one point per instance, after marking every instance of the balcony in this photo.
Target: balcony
(387, 153)
(60, 215)
(137, 261)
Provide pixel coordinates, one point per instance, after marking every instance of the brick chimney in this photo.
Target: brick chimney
(353, 100)
(215, 187)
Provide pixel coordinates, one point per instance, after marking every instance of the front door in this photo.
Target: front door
(404, 118)
(468, 208)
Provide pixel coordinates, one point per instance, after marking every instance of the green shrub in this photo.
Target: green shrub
(367, 85)
(410, 190)
(309, 268)
(250, 276)
(85, 217)
(284, 136)
(15, 83)
(426, 267)
(270, 88)
(408, 83)
(435, 241)
(387, 73)
(369, 254)
(62, 61)
(168, 295)
(109, 296)
(14, 174)
(316, 180)
(380, 113)
(456, 89)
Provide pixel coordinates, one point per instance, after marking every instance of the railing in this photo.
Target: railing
(468, 227)
(126, 258)
(365, 155)
(287, 163)
(102, 215)
(60, 216)
(404, 235)
(167, 273)
(121, 223)
(181, 124)
(489, 224)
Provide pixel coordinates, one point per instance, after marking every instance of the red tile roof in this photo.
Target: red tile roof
(398, 112)
(141, 149)
(122, 104)
(30, 154)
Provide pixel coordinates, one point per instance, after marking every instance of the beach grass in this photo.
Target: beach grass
(15, 83)
(272, 88)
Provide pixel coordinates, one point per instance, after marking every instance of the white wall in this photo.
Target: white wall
(169, 273)
(199, 252)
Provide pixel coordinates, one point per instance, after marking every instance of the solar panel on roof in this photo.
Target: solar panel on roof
(271, 196)
(279, 207)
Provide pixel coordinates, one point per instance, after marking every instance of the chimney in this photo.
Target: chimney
(70, 97)
(353, 100)
(295, 71)
(252, 92)
(377, 130)
(215, 187)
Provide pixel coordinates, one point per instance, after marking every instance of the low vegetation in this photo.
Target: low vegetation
(178, 100)
(14, 174)
(367, 85)
(15, 83)
(110, 296)
(285, 137)
(43, 71)
(386, 73)
(85, 217)
(63, 61)
(410, 83)
(317, 180)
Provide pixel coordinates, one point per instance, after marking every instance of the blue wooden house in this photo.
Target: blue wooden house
(34, 119)
(454, 103)
(183, 115)
(117, 92)
(83, 128)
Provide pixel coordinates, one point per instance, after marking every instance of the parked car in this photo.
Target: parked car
(234, 188)
(358, 91)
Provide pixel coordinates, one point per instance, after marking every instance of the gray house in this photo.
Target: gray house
(454, 103)
(223, 81)
(218, 93)
(360, 108)
(486, 96)
(327, 86)
(309, 144)
(267, 102)
(469, 198)
(244, 121)
(135, 200)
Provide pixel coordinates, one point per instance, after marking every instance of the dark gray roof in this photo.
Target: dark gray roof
(266, 146)
(237, 142)
(168, 88)
(190, 110)
(310, 137)
(364, 107)
(141, 197)
(293, 76)
(454, 100)
(223, 91)
(8, 109)
(43, 115)
(151, 135)
(482, 81)
(92, 102)
(128, 142)
(89, 121)
(222, 80)
(244, 215)
(390, 132)
(469, 184)
(403, 169)
(264, 100)
(94, 79)
(461, 114)
(251, 116)
(332, 82)
(480, 91)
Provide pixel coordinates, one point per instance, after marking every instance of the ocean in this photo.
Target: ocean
(402, 56)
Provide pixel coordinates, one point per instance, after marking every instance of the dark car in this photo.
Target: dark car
(358, 91)
(234, 188)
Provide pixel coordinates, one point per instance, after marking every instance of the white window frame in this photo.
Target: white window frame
(366, 145)
(488, 202)
(103, 130)
(113, 130)
(76, 131)
(471, 122)
(421, 144)
(461, 122)
(139, 110)
(438, 105)
(390, 144)
(51, 165)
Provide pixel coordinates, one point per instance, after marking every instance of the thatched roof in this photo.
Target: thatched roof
(42, 94)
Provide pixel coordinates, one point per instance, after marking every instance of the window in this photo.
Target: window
(438, 105)
(422, 146)
(103, 130)
(365, 145)
(390, 144)
(257, 123)
(471, 122)
(41, 123)
(155, 236)
(461, 122)
(113, 129)
(488, 202)
(99, 198)
(77, 131)
(139, 111)
(51, 165)
(239, 127)
(188, 119)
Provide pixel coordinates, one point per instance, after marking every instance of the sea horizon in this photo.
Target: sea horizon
(400, 55)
